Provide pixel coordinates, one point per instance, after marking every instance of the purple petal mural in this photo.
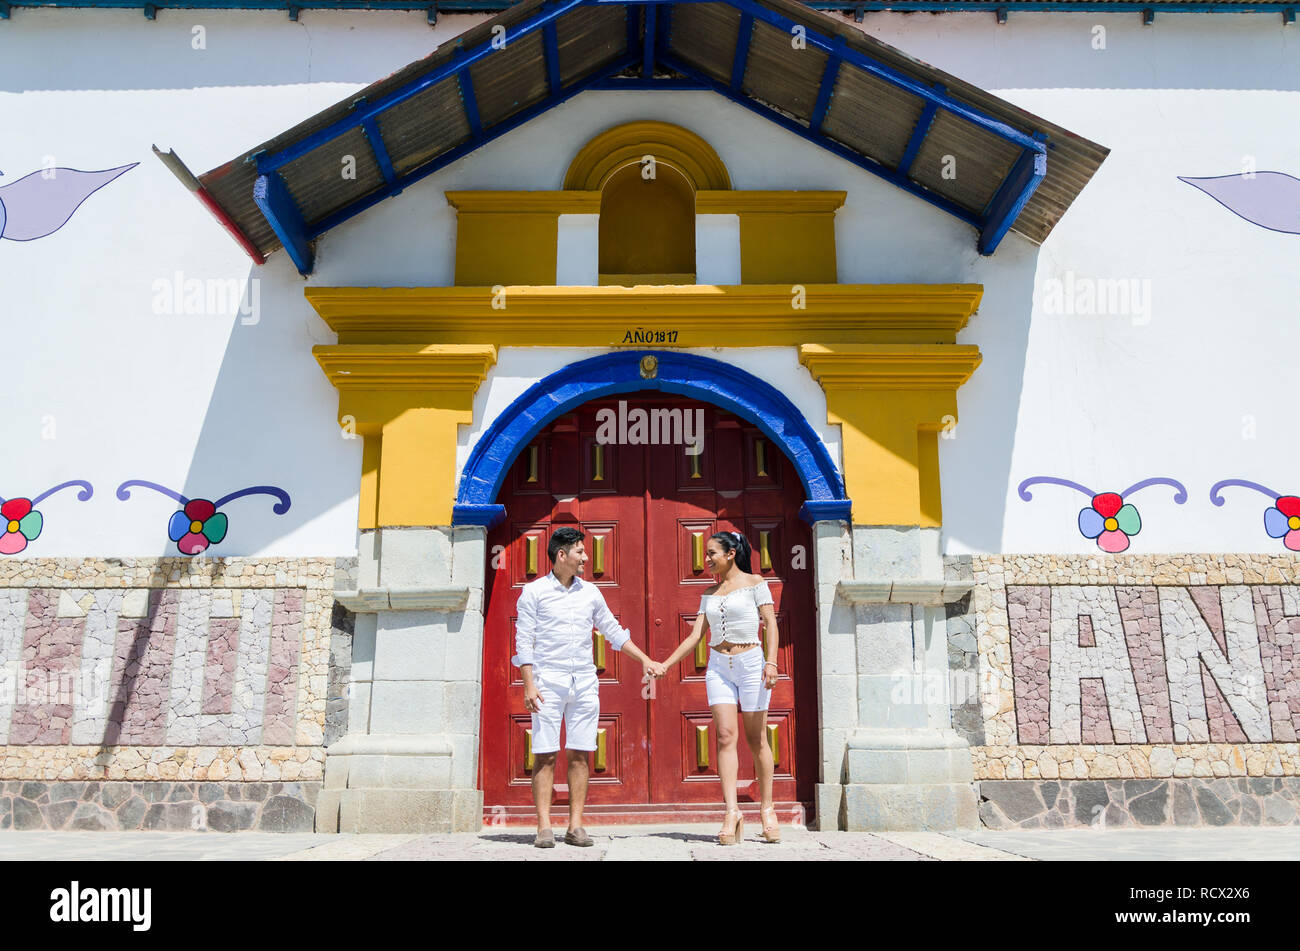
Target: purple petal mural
(1268, 199)
(36, 206)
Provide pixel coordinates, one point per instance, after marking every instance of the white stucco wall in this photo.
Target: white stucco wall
(211, 402)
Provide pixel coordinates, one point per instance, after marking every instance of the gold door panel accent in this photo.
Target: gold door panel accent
(599, 640)
(764, 551)
(600, 749)
(532, 464)
(697, 551)
(696, 471)
(598, 554)
(774, 741)
(530, 558)
(702, 653)
(702, 747)
(528, 751)
(760, 457)
(598, 468)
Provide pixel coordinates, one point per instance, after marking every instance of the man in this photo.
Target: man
(557, 613)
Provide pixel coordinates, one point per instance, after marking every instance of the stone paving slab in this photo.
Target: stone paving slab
(43, 844)
(948, 848)
(682, 843)
(1159, 845)
(664, 843)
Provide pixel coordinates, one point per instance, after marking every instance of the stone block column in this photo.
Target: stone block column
(904, 765)
(409, 761)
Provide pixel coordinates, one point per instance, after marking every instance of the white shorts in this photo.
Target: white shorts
(573, 698)
(738, 679)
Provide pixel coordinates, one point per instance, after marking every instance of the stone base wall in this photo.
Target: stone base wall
(1138, 690)
(169, 693)
(1135, 803)
(172, 807)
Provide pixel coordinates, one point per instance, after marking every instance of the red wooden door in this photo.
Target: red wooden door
(741, 483)
(640, 506)
(561, 475)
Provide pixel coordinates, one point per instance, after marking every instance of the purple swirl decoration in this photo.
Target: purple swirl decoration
(1051, 480)
(279, 508)
(1179, 497)
(124, 493)
(1218, 499)
(86, 492)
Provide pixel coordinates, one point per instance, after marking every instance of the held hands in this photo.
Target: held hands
(654, 669)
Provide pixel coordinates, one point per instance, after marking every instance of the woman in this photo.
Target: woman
(740, 673)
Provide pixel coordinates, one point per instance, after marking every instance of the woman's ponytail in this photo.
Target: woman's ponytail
(737, 542)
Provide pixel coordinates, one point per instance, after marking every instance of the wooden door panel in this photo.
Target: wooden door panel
(690, 539)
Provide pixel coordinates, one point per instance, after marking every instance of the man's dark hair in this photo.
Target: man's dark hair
(563, 538)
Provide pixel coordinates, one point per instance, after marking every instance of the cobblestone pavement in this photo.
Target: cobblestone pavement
(664, 843)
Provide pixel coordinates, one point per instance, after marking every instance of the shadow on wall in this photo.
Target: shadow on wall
(269, 392)
(975, 451)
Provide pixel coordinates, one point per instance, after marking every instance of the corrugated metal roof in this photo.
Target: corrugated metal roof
(844, 90)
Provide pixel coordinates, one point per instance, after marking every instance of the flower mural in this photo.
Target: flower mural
(199, 524)
(21, 523)
(1281, 519)
(196, 526)
(1109, 520)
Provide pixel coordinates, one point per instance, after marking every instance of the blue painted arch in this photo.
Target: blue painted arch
(685, 374)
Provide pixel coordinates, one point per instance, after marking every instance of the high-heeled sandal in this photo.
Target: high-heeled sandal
(737, 830)
(771, 830)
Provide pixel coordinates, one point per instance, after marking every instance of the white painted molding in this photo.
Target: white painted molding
(438, 598)
(903, 592)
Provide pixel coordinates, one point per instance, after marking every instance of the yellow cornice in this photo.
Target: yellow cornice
(525, 202)
(707, 202)
(890, 366)
(406, 366)
(628, 143)
(697, 315)
(738, 202)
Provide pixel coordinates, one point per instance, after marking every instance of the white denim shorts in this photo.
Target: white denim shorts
(571, 698)
(738, 679)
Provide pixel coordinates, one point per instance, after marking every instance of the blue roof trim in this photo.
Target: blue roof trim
(685, 374)
(285, 218)
(1017, 188)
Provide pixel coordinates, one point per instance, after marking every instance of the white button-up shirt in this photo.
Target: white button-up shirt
(553, 630)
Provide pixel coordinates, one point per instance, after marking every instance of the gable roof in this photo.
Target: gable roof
(847, 92)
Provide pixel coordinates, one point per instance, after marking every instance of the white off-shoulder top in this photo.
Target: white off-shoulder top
(733, 617)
